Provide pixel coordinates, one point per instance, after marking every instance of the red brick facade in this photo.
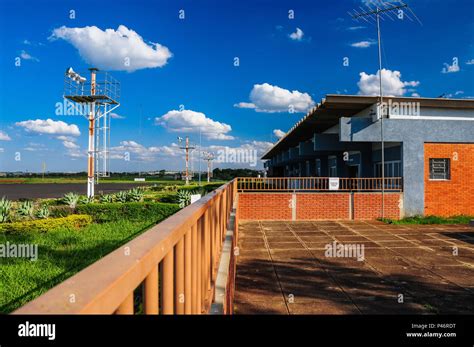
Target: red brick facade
(369, 205)
(456, 195)
(314, 206)
(322, 206)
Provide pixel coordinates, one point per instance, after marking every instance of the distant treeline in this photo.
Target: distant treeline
(228, 174)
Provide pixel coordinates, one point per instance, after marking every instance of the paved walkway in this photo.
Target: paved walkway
(282, 269)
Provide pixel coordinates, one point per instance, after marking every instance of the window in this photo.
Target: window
(332, 166)
(392, 169)
(440, 169)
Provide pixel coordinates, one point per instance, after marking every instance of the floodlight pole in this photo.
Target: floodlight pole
(91, 147)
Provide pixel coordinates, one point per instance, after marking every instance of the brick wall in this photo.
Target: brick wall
(369, 205)
(454, 196)
(314, 206)
(322, 206)
(261, 206)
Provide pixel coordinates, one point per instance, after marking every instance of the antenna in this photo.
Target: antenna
(187, 148)
(94, 100)
(377, 12)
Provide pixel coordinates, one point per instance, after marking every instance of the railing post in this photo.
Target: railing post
(179, 273)
(199, 267)
(152, 292)
(168, 285)
(187, 273)
(194, 270)
(126, 307)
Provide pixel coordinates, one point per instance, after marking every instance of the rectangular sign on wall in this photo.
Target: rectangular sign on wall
(333, 183)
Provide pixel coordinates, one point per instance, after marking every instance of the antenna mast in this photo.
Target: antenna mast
(382, 8)
(187, 148)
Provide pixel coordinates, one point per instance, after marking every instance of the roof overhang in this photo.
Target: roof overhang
(327, 113)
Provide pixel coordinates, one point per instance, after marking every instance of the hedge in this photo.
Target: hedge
(136, 211)
(43, 225)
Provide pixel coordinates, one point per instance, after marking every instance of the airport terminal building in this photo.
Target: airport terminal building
(428, 142)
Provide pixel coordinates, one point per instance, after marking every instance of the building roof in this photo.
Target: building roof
(327, 113)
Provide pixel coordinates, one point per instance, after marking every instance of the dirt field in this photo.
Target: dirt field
(53, 190)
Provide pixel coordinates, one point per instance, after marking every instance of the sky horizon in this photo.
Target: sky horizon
(233, 76)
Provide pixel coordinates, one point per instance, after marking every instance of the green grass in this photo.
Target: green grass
(430, 220)
(61, 254)
(152, 180)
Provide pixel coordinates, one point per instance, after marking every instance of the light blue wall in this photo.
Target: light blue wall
(413, 134)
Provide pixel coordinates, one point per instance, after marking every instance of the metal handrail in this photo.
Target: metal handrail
(245, 184)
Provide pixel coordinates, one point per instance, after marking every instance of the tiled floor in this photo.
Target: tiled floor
(282, 268)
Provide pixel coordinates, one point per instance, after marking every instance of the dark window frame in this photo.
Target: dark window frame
(440, 169)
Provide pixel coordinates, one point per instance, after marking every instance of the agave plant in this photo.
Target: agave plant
(25, 209)
(43, 212)
(184, 198)
(106, 198)
(5, 210)
(71, 199)
(121, 196)
(135, 194)
(84, 199)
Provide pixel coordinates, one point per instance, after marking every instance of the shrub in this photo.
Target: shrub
(43, 212)
(25, 209)
(60, 211)
(134, 211)
(5, 210)
(84, 199)
(44, 225)
(71, 199)
(169, 198)
(184, 198)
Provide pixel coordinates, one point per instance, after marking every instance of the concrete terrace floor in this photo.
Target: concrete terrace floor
(282, 269)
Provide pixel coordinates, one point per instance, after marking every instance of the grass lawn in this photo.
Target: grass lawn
(61, 254)
(430, 220)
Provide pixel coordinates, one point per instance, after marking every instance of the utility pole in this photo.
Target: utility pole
(186, 148)
(382, 8)
(209, 157)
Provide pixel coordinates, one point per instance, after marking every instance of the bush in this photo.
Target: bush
(134, 211)
(60, 211)
(169, 198)
(44, 225)
(5, 210)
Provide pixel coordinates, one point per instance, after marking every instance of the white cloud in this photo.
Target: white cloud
(391, 83)
(297, 35)
(450, 68)
(143, 153)
(122, 49)
(187, 121)
(415, 95)
(470, 62)
(4, 136)
(49, 126)
(70, 145)
(116, 116)
(356, 28)
(278, 133)
(363, 44)
(26, 56)
(268, 98)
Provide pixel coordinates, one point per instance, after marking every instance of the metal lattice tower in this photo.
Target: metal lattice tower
(94, 100)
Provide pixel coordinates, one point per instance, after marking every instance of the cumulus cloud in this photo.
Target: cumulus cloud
(363, 44)
(278, 133)
(50, 127)
(297, 35)
(391, 83)
(4, 136)
(454, 67)
(122, 49)
(144, 153)
(267, 98)
(188, 121)
(26, 56)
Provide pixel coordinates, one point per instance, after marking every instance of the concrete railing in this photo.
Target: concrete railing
(175, 264)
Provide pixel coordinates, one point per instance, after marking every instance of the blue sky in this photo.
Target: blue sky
(192, 71)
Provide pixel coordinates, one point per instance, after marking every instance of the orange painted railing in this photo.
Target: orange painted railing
(173, 265)
(318, 184)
